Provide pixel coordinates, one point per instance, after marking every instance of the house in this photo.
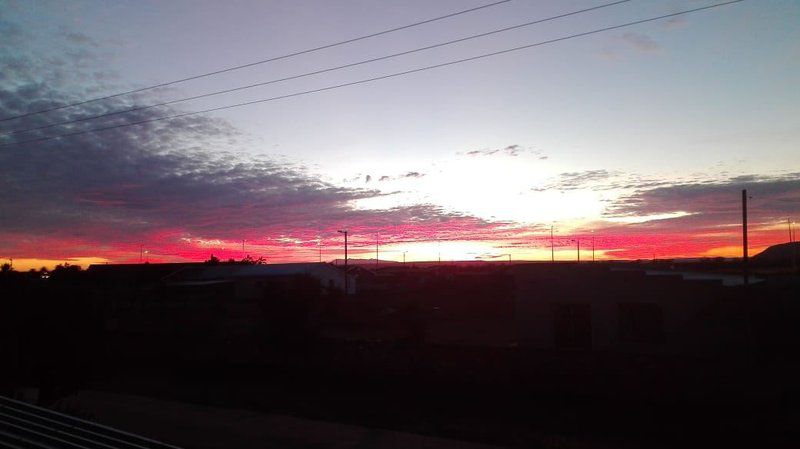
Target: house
(202, 312)
(246, 277)
(596, 307)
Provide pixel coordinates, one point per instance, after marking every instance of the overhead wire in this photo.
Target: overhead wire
(255, 63)
(316, 72)
(378, 78)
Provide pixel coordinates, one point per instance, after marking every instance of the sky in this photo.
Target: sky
(636, 141)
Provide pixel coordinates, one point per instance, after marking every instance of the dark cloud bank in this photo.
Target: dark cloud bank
(773, 198)
(174, 176)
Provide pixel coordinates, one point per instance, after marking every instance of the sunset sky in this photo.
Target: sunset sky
(639, 138)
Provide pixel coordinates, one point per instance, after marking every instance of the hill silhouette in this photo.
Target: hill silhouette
(780, 254)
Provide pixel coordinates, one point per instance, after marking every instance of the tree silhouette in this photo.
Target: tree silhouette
(248, 260)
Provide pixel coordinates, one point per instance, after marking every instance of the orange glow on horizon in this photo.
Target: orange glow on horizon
(522, 244)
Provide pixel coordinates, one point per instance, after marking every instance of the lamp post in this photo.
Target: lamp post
(745, 261)
(578, 243)
(346, 286)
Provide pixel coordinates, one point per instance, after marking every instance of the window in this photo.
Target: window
(641, 323)
(572, 324)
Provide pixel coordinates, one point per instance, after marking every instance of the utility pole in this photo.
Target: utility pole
(592, 246)
(404, 257)
(552, 246)
(578, 241)
(745, 267)
(793, 248)
(319, 246)
(346, 280)
(141, 253)
(243, 254)
(377, 241)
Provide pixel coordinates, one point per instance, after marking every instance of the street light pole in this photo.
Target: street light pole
(552, 246)
(346, 280)
(745, 267)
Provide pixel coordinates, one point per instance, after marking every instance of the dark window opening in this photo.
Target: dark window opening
(641, 323)
(573, 326)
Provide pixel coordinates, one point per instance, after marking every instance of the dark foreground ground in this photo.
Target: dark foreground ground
(147, 359)
(530, 400)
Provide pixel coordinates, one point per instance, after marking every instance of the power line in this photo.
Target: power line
(378, 78)
(263, 61)
(317, 72)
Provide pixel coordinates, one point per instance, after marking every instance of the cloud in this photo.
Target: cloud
(605, 180)
(407, 175)
(676, 22)
(79, 38)
(578, 180)
(511, 151)
(641, 42)
(713, 204)
(176, 184)
(574, 180)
